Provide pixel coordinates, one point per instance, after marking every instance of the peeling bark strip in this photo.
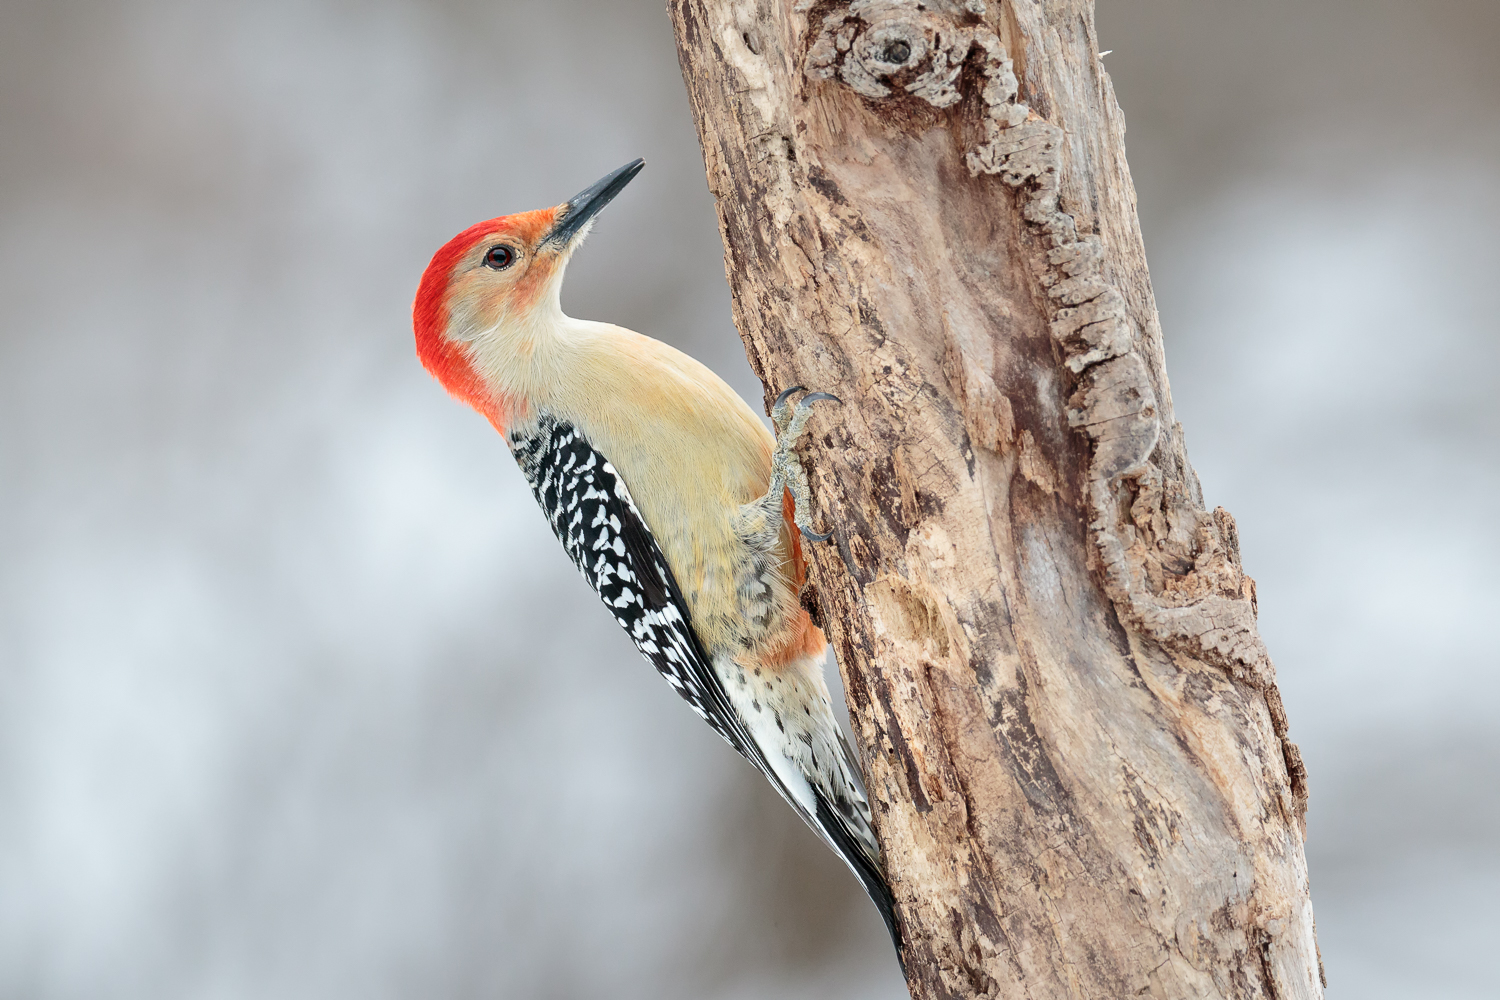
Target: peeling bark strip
(1070, 727)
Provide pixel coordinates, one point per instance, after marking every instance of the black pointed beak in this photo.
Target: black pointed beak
(583, 206)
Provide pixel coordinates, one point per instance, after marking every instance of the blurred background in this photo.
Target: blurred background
(299, 699)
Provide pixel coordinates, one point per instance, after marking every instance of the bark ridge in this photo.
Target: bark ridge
(1070, 727)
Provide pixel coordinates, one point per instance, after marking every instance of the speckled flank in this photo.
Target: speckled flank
(790, 710)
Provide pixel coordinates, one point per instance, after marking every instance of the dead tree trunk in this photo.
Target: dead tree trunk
(1070, 728)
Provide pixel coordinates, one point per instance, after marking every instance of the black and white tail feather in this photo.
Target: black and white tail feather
(592, 513)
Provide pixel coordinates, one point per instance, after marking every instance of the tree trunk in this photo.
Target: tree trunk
(1070, 729)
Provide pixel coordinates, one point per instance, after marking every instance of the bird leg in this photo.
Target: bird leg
(762, 516)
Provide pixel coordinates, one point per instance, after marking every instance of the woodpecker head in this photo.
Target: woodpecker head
(492, 286)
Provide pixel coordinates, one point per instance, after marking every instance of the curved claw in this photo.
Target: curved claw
(815, 396)
(785, 393)
(813, 536)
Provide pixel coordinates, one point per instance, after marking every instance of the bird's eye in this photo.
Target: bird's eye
(500, 257)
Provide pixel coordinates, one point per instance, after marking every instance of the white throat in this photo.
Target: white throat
(524, 355)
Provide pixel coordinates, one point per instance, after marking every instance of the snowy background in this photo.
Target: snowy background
(298, 698)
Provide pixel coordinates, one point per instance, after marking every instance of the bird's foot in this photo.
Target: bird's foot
(786, 468)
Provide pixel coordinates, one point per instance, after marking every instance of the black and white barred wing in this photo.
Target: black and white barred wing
(593, 515)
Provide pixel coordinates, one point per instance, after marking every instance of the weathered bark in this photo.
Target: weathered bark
(1070, 728)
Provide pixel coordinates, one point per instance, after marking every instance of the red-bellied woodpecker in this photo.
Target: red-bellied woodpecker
(669, 494)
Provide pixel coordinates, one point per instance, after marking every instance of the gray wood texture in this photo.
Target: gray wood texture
(1070, 728)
